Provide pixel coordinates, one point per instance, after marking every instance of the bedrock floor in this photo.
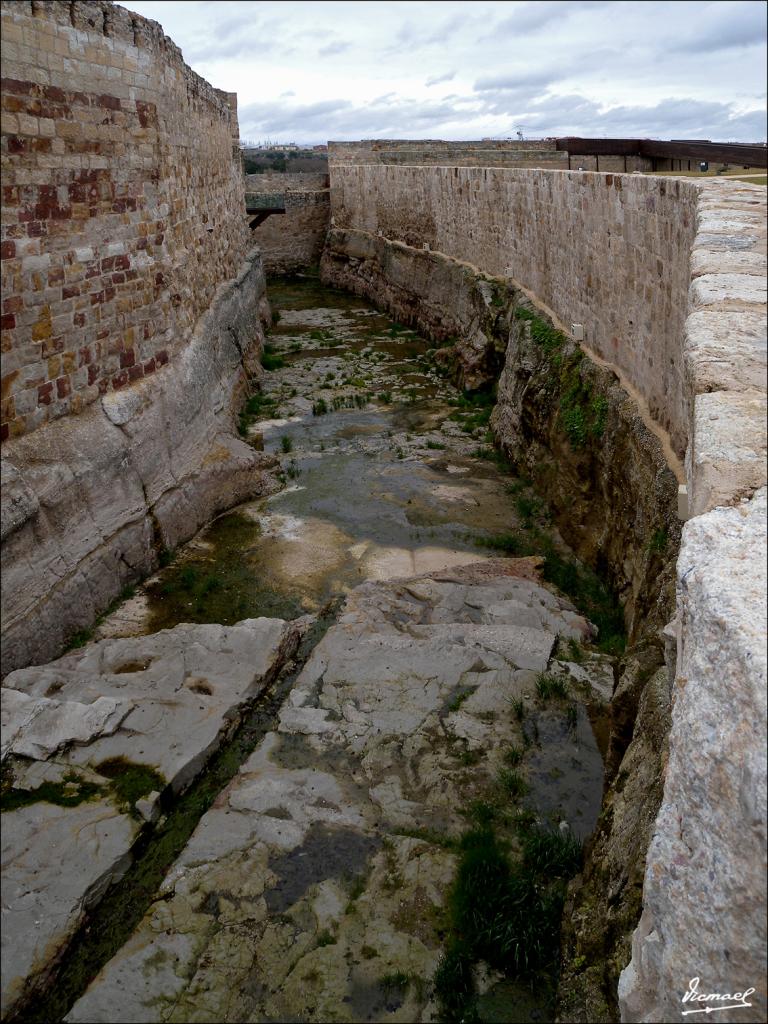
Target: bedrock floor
(445, 732)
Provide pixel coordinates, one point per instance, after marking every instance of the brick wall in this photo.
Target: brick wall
(121, 187)
(611, 252)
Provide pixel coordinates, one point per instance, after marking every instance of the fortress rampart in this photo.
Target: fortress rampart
(121, 186)
(132, 313)
(665, 275)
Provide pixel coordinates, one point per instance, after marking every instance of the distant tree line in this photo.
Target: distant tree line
(284, 162)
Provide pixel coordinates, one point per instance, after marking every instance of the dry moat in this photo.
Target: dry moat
(389, 832)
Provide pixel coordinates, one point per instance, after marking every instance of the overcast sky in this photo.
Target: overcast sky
(314, 70)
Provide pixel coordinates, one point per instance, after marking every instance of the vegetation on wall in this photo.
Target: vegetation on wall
(582, 413)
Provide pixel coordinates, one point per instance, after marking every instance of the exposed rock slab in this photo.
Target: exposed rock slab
(310, 881)
(164, 702)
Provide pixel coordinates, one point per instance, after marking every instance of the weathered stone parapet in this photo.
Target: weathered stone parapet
(91, 501)
(122, 204)
(705, 884)
(704, 896)
(724, 347)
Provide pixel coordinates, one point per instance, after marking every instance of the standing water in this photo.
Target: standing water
(397, 845)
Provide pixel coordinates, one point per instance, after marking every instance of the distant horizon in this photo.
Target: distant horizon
(266, 144)
(313, 70)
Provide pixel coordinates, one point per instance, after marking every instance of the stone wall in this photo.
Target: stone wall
(294, 240)
(610, 252)
(274, 181)
(668, 279)
(486, 153)
(121, 181)
(133, 314)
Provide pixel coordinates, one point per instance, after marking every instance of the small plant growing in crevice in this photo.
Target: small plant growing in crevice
(550, 687)
(573, 651)
(130, 782)
(572, 716)
(286, 444)
(512, 783)
(513, 756)
(270, 361)
(518, 708)
(657, 545)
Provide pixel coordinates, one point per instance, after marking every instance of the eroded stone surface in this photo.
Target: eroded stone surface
(163, 702)
(89, 500)
(316, 875)
(704, 892)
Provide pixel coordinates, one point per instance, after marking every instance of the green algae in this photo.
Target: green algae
(130, 782)
(223, 584)
(70, 792)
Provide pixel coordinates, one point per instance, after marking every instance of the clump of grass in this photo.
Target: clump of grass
(397, 983)
(270, 361)
(518, 708)
(286, 444)
(435, 445)
(513, 756)
(503, 913)
(512, 783)
(574, 651)
(292, 470)
(482, 813)
(528, 508)
(658, 542)
(468, 757)
(549, 686)
(459, 699)
(509, 543)
(320, 407)
(325, 938)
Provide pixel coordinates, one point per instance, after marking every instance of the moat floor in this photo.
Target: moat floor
(439, 735)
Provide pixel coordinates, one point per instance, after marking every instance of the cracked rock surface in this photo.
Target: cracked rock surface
(160, 705)
(314, 887)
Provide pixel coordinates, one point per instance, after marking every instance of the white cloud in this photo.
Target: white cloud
(310, 70)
